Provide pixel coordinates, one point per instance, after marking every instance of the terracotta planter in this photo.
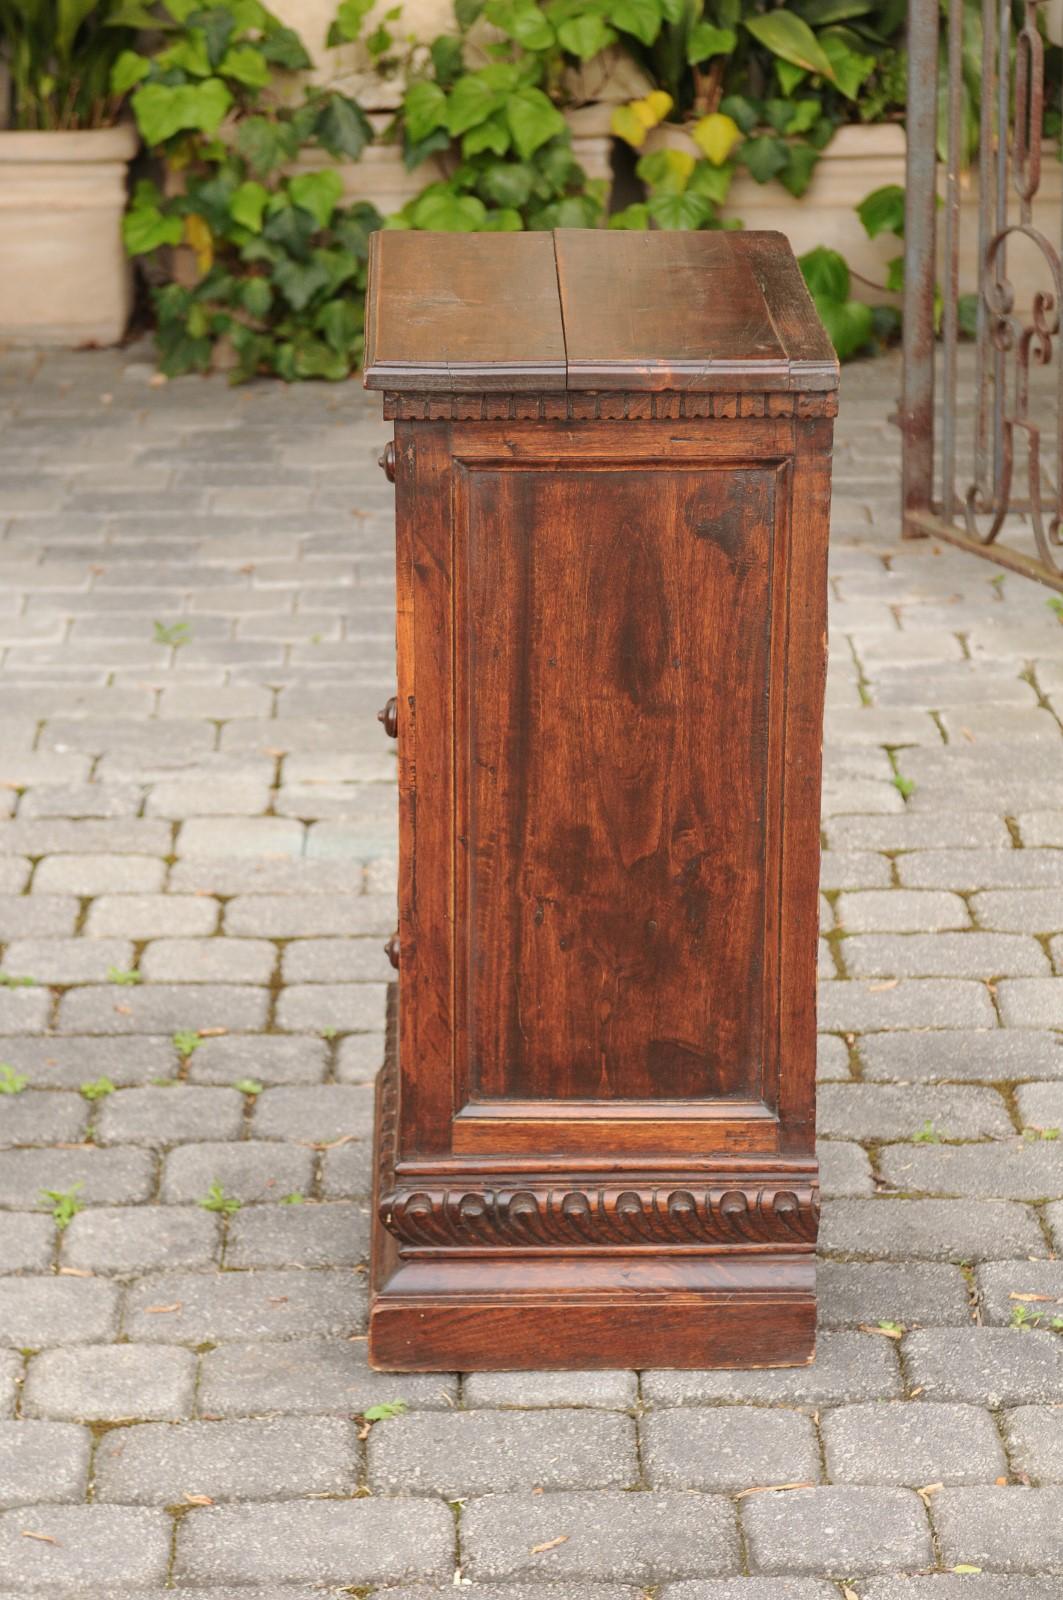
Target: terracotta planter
(857, 160)
(65, 279)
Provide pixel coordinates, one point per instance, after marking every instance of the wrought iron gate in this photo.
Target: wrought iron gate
(983, 427)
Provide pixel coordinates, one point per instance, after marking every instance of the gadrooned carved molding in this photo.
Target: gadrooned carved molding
(735, 1214)
(615, 406)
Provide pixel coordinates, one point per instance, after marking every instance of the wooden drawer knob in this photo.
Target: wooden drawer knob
(387, 461)
(388, 717)
(391, 949)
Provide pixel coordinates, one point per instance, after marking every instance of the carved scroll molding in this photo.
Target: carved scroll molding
(673, 406)
(536, 1214)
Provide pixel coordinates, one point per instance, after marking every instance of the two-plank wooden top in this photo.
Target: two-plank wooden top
(583, 309)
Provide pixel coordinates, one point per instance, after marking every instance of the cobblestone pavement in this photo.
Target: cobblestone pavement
(196, 627)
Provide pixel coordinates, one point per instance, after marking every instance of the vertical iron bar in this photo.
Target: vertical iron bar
(1003, 32)
(951, 263)
(917, 405)
(985, 488)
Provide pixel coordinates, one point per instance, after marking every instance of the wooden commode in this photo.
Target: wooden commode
(612, 471)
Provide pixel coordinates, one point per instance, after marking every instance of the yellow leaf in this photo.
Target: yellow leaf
(716, 136)
(199, 236)
(628, 125)
(658, 104)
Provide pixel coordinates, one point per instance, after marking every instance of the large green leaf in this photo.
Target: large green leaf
(764, 157)
(284, 48)
(300, 281)
(532, 120)
(471, 101)
(246, 64)
(265, 144)
(705, 40)
(162, 111)
(521, 20)
(491, 135)
(826, 273)
(145, 228)
(678, 211)
(882, 211)
(128, 71)
(248, 204)
(442, 211)
(851, 64)
(424, 109)
(641, 18)
(585, 36)
(317, 192)
(507, 183)
(786, 35)
(848, 322)
(342, 127)
(797, 174)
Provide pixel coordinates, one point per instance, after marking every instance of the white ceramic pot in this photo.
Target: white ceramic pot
(857, 160)
(65, 278)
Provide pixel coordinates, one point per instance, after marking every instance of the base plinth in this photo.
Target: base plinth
(436, 1306)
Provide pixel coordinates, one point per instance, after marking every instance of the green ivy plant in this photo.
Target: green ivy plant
(59, 54)
(280, 258)
(766, 87)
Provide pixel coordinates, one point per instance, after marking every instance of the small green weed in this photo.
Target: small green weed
(11, 1082)
(98, 1090)
(216, 1199)
(293, 1199)
(9, 980)
(125, 979)
(905, 787)
(64, 1204)
(186, 1042)
(174, 634)
(248, 1086)
(927, 1134)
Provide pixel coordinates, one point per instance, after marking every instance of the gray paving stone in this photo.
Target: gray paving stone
(1001, 1529)
(848, 1367)
(522, 1591)
(44, 1311)
(455, 1454)
(728, 1448)
(63, 961)
(99, 874)
(14, 874)
(310, 1377)
(968, 1586)
(929, 1230)
(1031, 1002)
(169, 1116)
(1040, 828)
(943, 955)
(268, 1059)
(268, 880)
(747, 1589)
(27, 1243)
(152, 916)
(245, 1305)
(131, 1239)
(981, 869)
(325, 1541)
(902, 911)
(1001, 1282)
(844, 1169)
(877, 1112)
(339, 961)
(991, 1055)
(862, 1007)
(10, 1377)
(163, 1008)
(1054, 1218)
(348, 1007)
(832, 1058)
(612, 1391)
(37, 916)
(985, 1366)
(972, 830)
(246, 836)
(106, 1177)
(309, 911)
(110, 1383)
(853, 869)
(24, 1010)
(841, 1528)
(42, 1117)
(638, 1538)
(210, 961)
(53, 837)
(247, 1172)
(1034, 1437)
(913, 1293)
(1015, 1170)
(81, 800)
(159, 1463)
(911, 1445)
(347, 1173)
(42, 1462)
(332, 1235)
(320, 1114)
(1019, 910)
(68, 1062)
(360, 1057)
(129, 1543)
